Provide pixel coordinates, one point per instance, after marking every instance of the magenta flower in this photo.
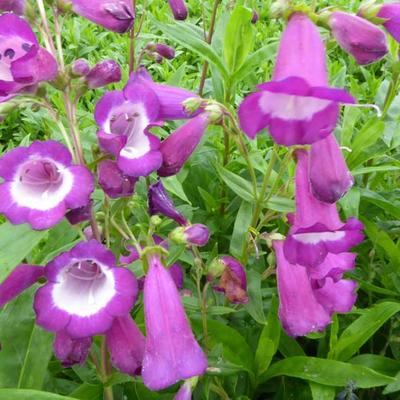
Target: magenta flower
(71, 351)
(179, 145)
(297, 106)
(22, 61)
(103, 73)
(329, 176)
(171, 352)
(162, 50)
(80, 67)
(192, 235)
(116, 15)
(124, 119)
(85, 292)
(81, 214)
(233, 281)
(391, 13)
(161, 203)
(185, 391)
(113, 181)
(179, 9)
(16, 6)
(317, 229)
(306, 304)
(40, 184)
(126, 344)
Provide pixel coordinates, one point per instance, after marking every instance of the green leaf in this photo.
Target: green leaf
(381, 202)
(173, 185)
(289, 347)
(378, 168)
(364, 327)
(269, 339)
(384, 365)
(255, 304)
(16, 242)
(186, 36)
(20, 394)
(88, 391)
(327, 372)
(322, 392)
(239, 37)
(26, 348)
(240, 229)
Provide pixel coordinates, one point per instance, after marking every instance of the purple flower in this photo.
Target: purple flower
(185, 391)
(71, 351)
(171, 352)
(16, 6)
(80, 67)
(20, 279)
(22, 61)
(179, 146)
(329, 176)
(297, 106)
(161, 203)
(115, 15)
(307, 304)
(317, 229)
(163, 50)
(233, 281)
(255, 17)
(179, 9)
(104, 73)
(391, 13)
(85, 292)
(40, 184)
(124, 118)
(126, 344)
(113, 181)
(81, 214)
(170, 98)
(193, 235)
(358, 37)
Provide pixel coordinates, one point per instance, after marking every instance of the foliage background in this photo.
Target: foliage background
(251, 357)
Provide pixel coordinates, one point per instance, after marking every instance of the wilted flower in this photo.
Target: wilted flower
(233, 281)
(16, 6)
(171, 353)
(179, 9)
(317, 229)
(179, 145)
(22, 61)
(161, 203)
(41, 184)
(329, 176)
(306, 304)
(363, 40)
(103, 73)
(116, 15)
(193, 235)
(85, 292)
(113, 181)
(297, 106)
(71, 351)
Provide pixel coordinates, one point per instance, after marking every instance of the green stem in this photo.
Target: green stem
(106, 370)
(391, 93)
(245, 154)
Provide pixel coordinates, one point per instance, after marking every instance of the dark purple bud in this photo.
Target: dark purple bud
(161, 203)
(233, 281)
(103, 74)
(78, 215)
(16, 6)
(115, 15)
(71, 351)
(179, 9)
(80, 67)
(165, 51)
(195, 235)
(179, 146)
(360, 38)
(255, 17)
(113, 181)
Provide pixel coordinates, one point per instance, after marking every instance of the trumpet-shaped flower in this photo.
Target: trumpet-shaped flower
(317, 228)
(41, 184)
(171, 353)
(22, 61)
(306, 304)
(297, 106)
(85, 292)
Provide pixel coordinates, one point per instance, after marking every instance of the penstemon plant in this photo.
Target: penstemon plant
(173, 226)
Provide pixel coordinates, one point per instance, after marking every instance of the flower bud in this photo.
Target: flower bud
(113, 181)
(358, 37)
(194, 235)
(390, 12)
(104, 73)
(80, 67)
(255, 17)
(162, 49)
(78, 215)
(179, 9)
